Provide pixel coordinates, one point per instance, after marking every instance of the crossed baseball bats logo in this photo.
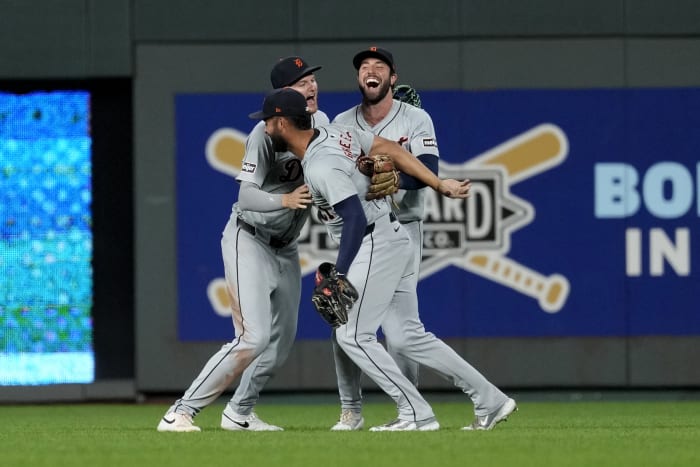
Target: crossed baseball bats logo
(520, 158)
(526, 155)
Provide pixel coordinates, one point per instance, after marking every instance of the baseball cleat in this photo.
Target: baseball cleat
(177, 422)
(487, 422)
(349, 421)
(233, 421)
(431, 424)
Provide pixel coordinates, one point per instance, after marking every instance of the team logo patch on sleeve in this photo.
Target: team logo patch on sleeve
(429, 142)
(248, 167)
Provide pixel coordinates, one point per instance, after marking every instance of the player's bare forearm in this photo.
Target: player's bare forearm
(405, 162)
(297, 199)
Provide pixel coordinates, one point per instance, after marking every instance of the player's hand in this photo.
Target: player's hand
(454, 188)
(297, 199)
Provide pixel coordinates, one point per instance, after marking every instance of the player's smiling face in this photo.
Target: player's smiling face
(374, 79)
(308, 87)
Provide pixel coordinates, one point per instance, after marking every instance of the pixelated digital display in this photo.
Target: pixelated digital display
(46, 287)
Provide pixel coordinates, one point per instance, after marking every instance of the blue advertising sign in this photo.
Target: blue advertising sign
(580, 220)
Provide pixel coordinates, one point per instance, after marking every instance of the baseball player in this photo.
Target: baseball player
(261, 262)
(375, 251)
(406, 338)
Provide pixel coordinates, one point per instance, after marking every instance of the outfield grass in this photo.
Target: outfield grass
(539, 434)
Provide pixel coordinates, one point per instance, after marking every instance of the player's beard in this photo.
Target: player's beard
(382, 90)
(279, 144)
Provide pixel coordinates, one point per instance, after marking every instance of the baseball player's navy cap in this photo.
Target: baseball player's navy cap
(289, 70)
(285, 102)
(374, 52)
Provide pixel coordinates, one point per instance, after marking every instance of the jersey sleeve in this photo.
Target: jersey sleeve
(258, 158)
(423, 139)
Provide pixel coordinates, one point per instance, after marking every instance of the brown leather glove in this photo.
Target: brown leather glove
(384, 178)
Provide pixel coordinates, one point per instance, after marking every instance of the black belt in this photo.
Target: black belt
(370, 228)
(275, 242)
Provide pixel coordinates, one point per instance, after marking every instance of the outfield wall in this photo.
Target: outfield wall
(615, 82)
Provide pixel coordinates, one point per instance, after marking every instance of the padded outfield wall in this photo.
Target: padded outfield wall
(573, 123)
(577, 120)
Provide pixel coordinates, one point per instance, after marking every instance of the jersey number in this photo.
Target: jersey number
(325, 214)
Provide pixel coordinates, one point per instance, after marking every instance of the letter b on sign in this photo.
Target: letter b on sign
(615, 190)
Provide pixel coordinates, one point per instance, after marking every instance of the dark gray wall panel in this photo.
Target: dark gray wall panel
(315, 358)
(219, 67)
(208, 20)
(46, 41)
(542, 17)
(109, 30)
(373, 20)
(664, 361)
(105, 390)
(663, 62)
(662, 17)
(426, 65)
(572, 63)
(551, 362)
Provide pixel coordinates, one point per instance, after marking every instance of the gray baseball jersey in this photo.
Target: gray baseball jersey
(406, 337)
(261, 264)
(332, 183)
(379, 271)
(413, 129)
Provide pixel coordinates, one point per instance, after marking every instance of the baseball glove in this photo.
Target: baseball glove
(333, 296)
(384, 178)
(405, 93)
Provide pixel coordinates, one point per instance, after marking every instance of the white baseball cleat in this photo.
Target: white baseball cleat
(233, 421)
(177, 422)
(349, 421)
(430, 424)
(487, 422)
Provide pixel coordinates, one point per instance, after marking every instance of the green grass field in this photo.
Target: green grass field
(539, 434)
